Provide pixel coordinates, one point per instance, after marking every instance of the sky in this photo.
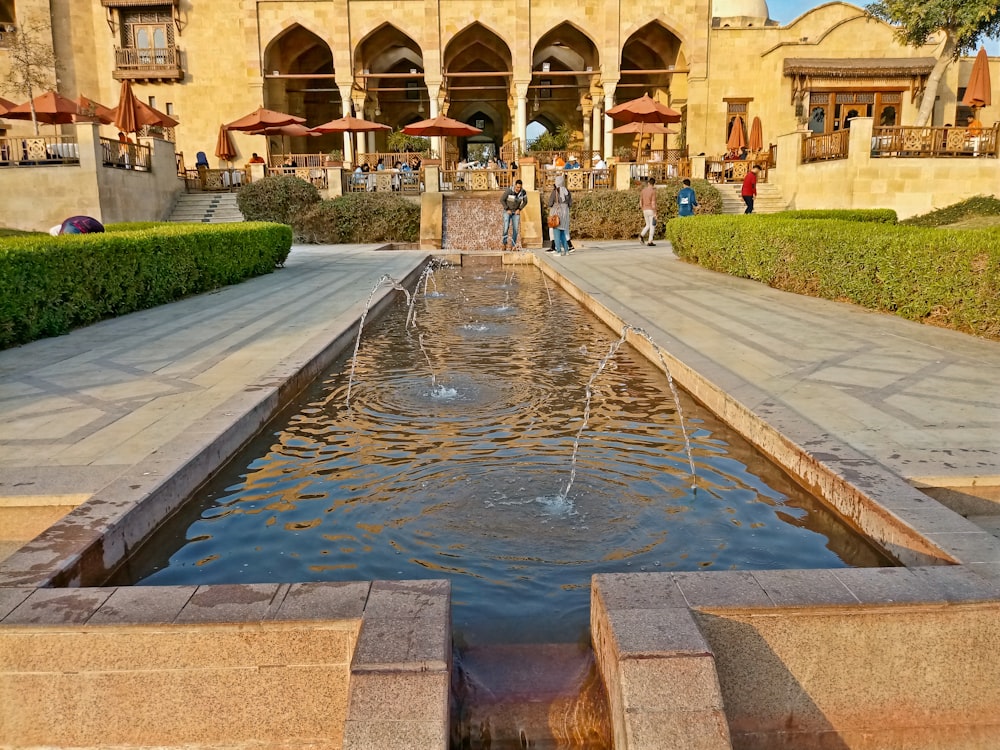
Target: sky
(787, 11)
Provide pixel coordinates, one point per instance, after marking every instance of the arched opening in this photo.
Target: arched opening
(652, 63)
(565, 66)
(390, 67)
(294, 53)
(478, 66)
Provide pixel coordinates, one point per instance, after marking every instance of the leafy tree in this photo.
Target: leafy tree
(32, 61)
(964, 24)
(557, 141)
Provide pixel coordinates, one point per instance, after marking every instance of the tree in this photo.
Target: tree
(32, 61)
(964, 24)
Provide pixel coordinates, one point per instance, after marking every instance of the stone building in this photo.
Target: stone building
(496, 65)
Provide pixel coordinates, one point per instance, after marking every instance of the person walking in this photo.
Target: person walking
(560, 200)
(647, 202)
(513, 200)
(749, 190)
(687, 201)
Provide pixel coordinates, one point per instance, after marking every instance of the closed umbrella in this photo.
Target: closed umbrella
(756, 136)
(132, 114)
(737, 138)
(224, 148)
(263, 118)
(977, 91)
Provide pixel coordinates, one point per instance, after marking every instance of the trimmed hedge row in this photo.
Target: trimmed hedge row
(876, 215)
(49, 285)
(359, 218)
(944, 277)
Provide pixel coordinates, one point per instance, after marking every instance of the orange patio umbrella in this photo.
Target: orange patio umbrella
(643, 109)
(132, 114)
(440, 126)
(977, 91)
(5, 106)
(737, 138)
(92, 111)
(644, 128)
(224, 148)
(263, 118)
(756, 136)
(350, 124)
(52, 108)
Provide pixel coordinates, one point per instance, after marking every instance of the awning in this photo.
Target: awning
(137, 3)
(855, 67)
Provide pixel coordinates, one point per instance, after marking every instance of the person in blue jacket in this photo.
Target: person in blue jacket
(686, 200)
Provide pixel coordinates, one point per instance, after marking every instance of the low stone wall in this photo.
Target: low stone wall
(331, 665)
(910, 186)
(849, 658)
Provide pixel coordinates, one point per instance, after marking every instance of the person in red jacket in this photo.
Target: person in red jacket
(749, 191)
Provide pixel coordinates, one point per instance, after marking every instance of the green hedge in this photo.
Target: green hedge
(49, 285)
(615, 214)
(940, 276)
(876, 215)
(277, 198)
(971, 208)
(357, 218)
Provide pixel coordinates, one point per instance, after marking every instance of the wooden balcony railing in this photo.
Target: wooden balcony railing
(44, 151)
(734, 170)
(148, 63)
(911, 142)
(120, 155)
(203, 179)
(384, 181)
(476, 179)
(824, 147)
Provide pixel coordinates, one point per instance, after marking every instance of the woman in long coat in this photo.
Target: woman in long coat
(560, 200)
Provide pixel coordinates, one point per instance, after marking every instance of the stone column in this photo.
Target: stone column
(345, 105)
(433, 92)
(597, 130)
(521, 119)
(359, 107)
(609, 102)
(586, 107)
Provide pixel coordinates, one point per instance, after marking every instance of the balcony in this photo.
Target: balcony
(148, 64)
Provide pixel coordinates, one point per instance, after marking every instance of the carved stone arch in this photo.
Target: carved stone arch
(477, 63)
(656, 49)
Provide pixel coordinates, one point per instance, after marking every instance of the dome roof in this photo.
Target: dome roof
(736, 8)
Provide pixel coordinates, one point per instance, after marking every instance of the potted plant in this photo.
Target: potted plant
(335, 158)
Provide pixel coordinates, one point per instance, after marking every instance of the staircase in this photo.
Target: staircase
(769, 199)
(207, 208)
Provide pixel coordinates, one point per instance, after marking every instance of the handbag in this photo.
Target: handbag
(553, 221)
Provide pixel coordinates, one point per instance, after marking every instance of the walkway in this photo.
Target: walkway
(81, 411)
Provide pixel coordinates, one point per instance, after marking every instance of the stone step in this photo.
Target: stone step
(208, 208)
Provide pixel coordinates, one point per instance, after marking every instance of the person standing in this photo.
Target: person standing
(647, 202)
(687, 201)
(749, 190)
(560, 200)
(513, 200)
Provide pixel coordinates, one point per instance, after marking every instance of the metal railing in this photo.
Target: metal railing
(147, 62)
(125, 155)
(50, 150)
(825, 147)
(913, 142)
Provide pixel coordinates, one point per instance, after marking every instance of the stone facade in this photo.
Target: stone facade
(498, 64)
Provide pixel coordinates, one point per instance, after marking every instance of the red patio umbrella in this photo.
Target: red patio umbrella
(5, 106)
(224, 148)
(756, 135)
(977, 90)
(737, 138)
(350, 124)
(643, 109)
(263, 118)
(92, 111)
(440, 126)
(52, 108)
(126, 119)
(644, 128)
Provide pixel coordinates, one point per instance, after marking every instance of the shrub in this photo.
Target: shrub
(614, 214)
(359, 217)
(49, 285)
(876, 215)
(944, 277)
(276, 199)
(980, 205)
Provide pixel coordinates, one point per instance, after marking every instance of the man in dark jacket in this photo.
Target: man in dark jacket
(513, 200)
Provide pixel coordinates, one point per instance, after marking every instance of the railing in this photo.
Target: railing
(577, 180)
(734, 170)
(147, 62)
(383, 181)
(7, 32)
(825, 147)
(476, 179)
(912, 142)
(42, 151)
(203, 179)
(125, 155)
(314, 174)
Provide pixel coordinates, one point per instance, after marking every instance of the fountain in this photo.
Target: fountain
(489, 476)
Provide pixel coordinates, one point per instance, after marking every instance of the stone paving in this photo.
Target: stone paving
(80, 411)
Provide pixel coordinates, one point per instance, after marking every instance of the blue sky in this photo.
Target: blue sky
(787, 11)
